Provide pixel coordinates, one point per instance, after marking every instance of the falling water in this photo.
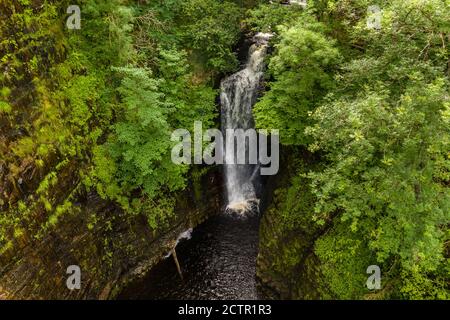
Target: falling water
(239, 93)
(219, 262)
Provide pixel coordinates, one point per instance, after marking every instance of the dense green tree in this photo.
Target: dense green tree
(93, 109)
(387, 141)
(302, 72)
(377, 115)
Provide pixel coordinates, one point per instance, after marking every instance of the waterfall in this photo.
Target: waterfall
(239, 93)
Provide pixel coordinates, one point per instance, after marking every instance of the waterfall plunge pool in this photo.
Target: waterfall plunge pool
(218, 262)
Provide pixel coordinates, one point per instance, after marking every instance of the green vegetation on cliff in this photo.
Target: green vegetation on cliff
(92, 109)
(373, 105)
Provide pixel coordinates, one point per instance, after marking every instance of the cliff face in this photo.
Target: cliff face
(286, 265)
(116, 250)
(59, 101)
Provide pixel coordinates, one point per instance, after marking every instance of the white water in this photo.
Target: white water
(185, 235)
(239, 93)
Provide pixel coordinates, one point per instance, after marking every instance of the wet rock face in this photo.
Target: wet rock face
(287, 267)
(117, 250)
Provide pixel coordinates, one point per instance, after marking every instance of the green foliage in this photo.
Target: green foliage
(94, 108)
(302, 71)
(345, 258)
(386, 139)
(269, 17)
(377, 114)
(137, 153)
(159, 212)
(139, 146)
(212, 30)
(206, 29)
(418, 286)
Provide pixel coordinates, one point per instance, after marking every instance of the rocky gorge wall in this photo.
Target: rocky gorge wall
(287, 267)
(117, 250)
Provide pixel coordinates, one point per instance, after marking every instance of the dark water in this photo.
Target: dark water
(218, 262)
